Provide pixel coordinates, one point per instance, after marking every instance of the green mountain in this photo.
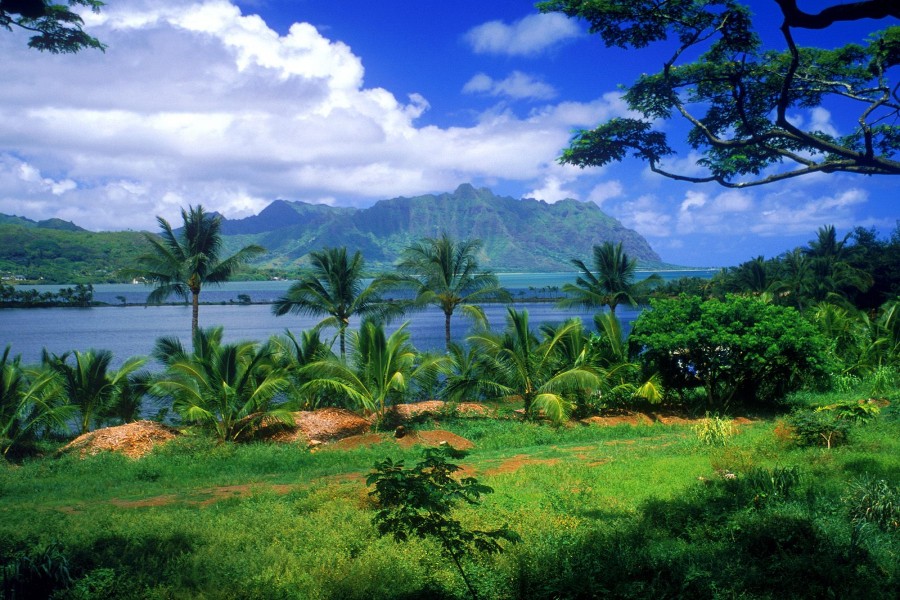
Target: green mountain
(518, 235)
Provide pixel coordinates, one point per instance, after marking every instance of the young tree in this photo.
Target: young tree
(419, 501)
(445, 274)
(381, 369)
(334, 287)
(30, 400)
(183, 263)
(518, 363)
(739, 98)
(56, 28)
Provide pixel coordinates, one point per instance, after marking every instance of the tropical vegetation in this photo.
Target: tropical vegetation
(784, 483)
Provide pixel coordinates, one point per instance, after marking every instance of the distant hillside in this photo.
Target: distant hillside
(518, 235)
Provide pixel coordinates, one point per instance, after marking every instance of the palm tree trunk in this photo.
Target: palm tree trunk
(343, 347)
(195, 313)
(447, 329)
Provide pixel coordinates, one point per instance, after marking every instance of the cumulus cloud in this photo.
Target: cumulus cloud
(517, 85)
(197, 102)
(717, 214)
(530, 35)
(792, 213)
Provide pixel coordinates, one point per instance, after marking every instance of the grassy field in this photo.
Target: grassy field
(627, 511)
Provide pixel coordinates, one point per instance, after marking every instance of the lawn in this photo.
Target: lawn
(625, 511)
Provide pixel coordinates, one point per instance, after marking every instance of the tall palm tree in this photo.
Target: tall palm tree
(230, 388)
(445, 273)
(610, 283)
(89, 384)
(334, 287)
(181, 264)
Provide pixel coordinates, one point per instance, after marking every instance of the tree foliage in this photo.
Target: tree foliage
(418, 501)
(232, 389)
(738, 349)
(334, 286)
(610, 283)
(739, 98)
(55, 28)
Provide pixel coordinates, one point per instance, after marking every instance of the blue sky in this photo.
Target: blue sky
(235, 104)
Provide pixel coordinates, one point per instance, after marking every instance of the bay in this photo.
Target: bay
(131, 330)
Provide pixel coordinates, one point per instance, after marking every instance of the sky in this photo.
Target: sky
(346, 102)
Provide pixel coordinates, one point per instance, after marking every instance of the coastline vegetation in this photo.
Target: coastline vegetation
(787, 487)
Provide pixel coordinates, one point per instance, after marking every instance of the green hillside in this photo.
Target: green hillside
(518, 235)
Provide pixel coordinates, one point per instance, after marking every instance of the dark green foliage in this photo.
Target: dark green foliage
(54, 27)
(419, 501)
(736, 95)
(36, 573)
(737, 349)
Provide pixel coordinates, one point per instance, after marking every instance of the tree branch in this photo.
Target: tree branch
(854, 11)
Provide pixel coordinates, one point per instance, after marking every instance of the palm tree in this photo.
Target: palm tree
(833, 275)
(183, 263)
(445, 273)
(521, 364)
(230, 388)
(292, 355)
(30, 399)
(382, 368)
(89, 384)
(611, 282)
(334, 287)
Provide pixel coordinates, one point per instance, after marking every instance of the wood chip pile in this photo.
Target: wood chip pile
(134, 440)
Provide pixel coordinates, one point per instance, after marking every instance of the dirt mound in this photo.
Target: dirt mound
(407, 412)
(134, 440)
(322, 425)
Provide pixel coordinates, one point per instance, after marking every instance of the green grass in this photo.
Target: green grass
(619, 511)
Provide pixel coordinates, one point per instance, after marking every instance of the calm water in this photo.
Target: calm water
(132, 330)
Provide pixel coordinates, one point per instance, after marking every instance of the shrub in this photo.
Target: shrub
(817, 428)
(740, 349)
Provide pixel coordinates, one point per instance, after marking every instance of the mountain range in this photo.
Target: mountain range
(517, 235)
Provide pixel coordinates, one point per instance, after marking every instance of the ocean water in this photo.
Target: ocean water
(130, 330)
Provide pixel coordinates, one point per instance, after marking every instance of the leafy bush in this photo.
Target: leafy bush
(740, 349)
(817, 428)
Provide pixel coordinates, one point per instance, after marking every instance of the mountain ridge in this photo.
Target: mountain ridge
(524, 235)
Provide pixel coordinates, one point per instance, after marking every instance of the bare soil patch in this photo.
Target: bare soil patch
(134, 440)
(511, 465)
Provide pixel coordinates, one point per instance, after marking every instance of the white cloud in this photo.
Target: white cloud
(517, 86)
(196, 102)
(790, 213)
(528, 36)
(719, 214)
(605, 191)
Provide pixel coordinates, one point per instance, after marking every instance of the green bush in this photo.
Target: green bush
(715, 430)
(817, 428)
